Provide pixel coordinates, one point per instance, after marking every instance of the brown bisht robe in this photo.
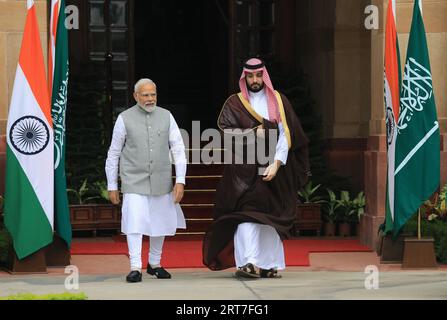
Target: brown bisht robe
(242, 195)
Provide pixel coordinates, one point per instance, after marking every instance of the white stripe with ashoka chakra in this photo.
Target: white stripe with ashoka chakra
(391, 150)
(39, 168)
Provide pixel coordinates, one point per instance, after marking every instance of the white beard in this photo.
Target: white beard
(148, 108)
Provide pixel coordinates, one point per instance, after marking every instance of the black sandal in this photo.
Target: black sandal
(247, 271)
(270, 273)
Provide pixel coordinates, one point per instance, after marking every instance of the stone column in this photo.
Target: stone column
(376, 154)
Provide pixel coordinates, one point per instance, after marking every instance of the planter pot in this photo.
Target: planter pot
(308, 217)
(344, 229)
(355, 229)
(34, 263)
(82, 217)
(95, 217)
(329, 229)
(108, 216)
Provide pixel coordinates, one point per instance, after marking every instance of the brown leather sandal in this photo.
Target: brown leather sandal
(270, 273)
(247, 271)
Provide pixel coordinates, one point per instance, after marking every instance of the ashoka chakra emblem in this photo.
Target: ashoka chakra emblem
(390, 125)
(29, 135)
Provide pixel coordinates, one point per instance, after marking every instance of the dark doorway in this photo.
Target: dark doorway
(183, 48)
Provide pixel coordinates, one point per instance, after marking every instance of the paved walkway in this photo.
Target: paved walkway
(330, 276)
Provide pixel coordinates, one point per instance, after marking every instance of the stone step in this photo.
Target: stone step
(189, 236)
(197, 196)
(198, 211)
(202, 182)
(204, 170)
(196, 225)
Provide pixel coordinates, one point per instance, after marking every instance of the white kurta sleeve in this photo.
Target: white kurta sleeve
(178, 151)
(282, 148)
(113, 155)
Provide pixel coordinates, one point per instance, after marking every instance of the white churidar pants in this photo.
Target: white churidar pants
(135, 242)
(260, 245)
(154, 216)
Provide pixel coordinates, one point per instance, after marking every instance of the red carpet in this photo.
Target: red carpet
(188, 254)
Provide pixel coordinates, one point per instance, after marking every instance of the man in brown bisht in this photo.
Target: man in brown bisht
(255, 206)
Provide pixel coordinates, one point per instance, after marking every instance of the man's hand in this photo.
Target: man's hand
(271, 170)
(114, 196)
(179, 188)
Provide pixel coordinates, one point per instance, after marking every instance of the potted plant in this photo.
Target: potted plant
(5, 239)
(82, 213)
(308, 212)
(108, 215)
(346, 210)
(83, 194)
(330, 216)
(436, 209)
(2, 201)
(100, 215)
(358, 204)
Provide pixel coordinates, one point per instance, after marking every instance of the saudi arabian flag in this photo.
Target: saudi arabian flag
(29, 154)
(58, 76)
(418, 142)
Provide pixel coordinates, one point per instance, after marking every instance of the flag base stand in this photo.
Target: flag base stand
(419, 253)
(34, 263)
(57, 253)
(391, 250)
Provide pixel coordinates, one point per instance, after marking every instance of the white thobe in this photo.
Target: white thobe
(142, 214)
(253, 242)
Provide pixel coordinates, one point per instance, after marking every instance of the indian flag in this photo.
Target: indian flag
(29, 155)
(392, 98)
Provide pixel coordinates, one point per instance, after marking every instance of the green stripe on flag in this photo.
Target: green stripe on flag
(25, 218)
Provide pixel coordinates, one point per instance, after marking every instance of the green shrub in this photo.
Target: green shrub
(5, 245)
(59, 296)
(437, 229)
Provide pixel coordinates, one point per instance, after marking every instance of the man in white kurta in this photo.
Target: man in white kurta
(150, 207)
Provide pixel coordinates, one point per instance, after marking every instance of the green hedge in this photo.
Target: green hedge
(436, 229)
(60, 296)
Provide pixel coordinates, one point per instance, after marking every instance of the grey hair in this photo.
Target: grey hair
(143, 82)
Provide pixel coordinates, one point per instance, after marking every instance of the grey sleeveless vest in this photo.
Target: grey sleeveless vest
(145, 167)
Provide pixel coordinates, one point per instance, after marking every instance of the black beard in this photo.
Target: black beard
(255, 90)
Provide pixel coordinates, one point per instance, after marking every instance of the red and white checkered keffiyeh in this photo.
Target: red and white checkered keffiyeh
(272, 103)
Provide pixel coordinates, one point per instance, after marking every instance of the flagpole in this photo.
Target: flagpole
(419, 223)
